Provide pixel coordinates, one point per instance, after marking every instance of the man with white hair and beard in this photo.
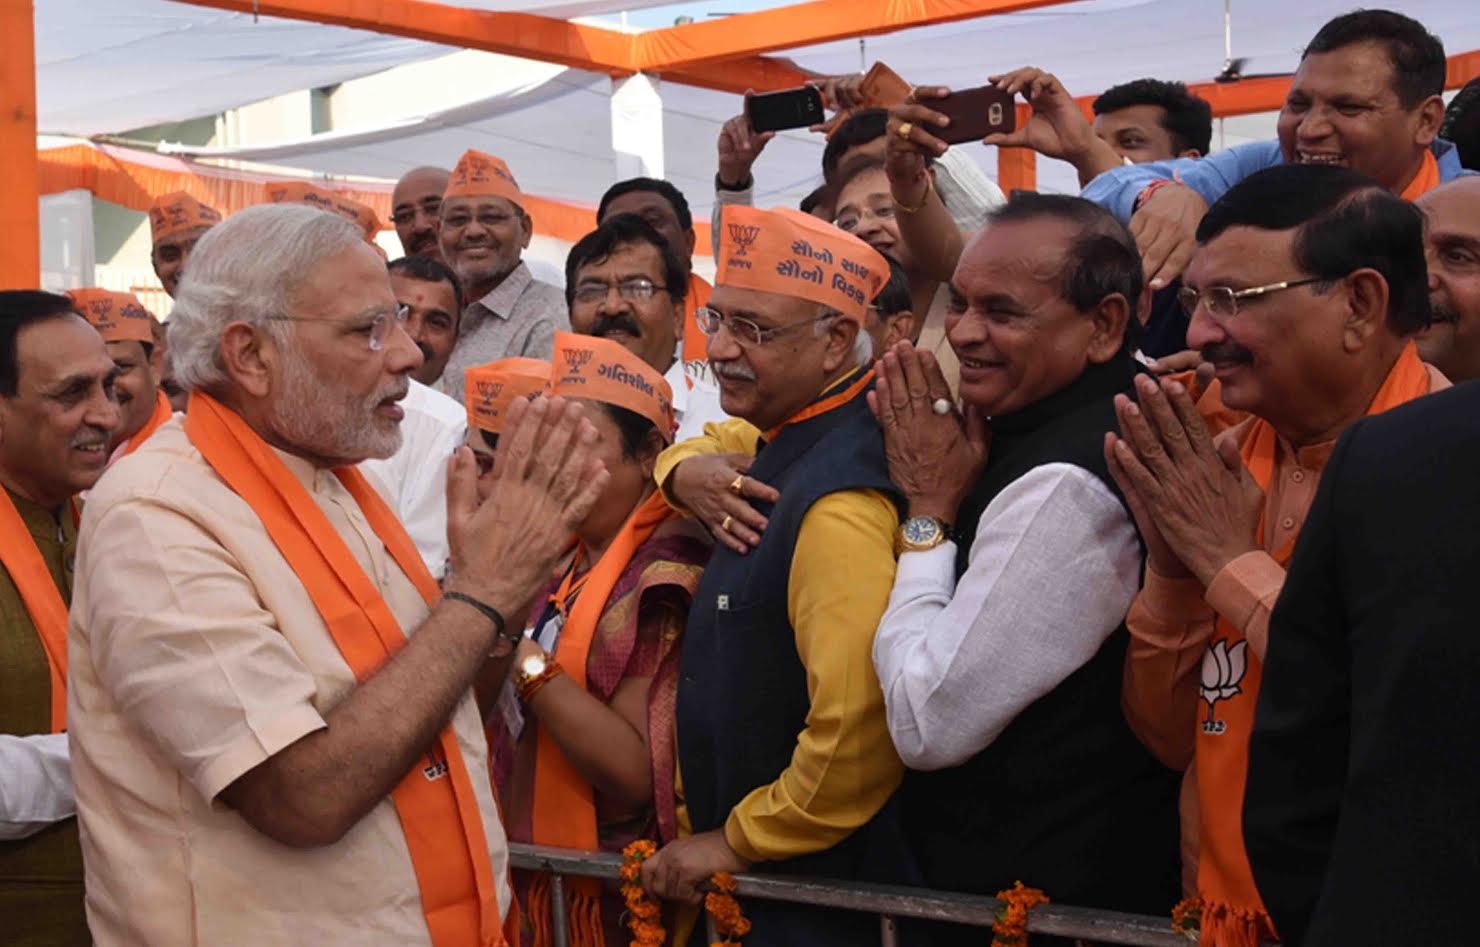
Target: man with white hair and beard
(273, 734)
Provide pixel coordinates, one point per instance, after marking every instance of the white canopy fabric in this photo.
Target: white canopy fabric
(142, 62)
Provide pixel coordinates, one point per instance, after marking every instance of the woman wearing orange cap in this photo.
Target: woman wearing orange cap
(582, 735)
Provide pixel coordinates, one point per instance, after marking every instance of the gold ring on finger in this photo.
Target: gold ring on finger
(725, 524)
(904, 130)
(738, 486)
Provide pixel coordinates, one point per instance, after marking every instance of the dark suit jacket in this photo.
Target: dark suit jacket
(1362, 812)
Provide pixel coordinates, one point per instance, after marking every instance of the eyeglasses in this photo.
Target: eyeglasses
(375, 327)
(429, 208)
(850, 222)
(487, 221)
(745, 331)
(637, 290)
(1222, 301)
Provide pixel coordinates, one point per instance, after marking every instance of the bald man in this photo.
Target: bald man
(1452, 241)
(415, 205)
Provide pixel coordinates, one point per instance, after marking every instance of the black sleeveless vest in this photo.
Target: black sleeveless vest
(742, 694)
(1065, 799)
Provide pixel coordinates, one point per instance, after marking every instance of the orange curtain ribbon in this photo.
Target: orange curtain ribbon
(435, 803)
(1233, 913)
(43, 601)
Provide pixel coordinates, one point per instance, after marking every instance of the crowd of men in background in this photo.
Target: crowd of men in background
(1113, 543)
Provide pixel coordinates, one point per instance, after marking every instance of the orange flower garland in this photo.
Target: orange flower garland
(1010, 929)
(722, 906)
(1187, 918)
(644, 916)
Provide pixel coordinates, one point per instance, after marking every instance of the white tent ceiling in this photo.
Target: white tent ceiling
(141, 62)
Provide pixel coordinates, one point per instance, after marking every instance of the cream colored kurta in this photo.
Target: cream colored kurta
(195, 655)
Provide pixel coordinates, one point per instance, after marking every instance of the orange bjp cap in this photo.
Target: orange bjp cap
(306, 192)
(118, 317)
(489, 390)
(177, 212)
(482, 175)
(789, 253)
(598, 369)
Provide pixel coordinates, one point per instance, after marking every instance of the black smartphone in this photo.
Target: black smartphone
(974, 114)
(791, 108)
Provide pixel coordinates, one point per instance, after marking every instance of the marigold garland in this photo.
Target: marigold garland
(1187, 918)
(644, 916)
(1010, 929)
(722, 906)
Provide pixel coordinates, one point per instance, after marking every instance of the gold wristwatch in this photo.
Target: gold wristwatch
(919, 533)
(532, 673)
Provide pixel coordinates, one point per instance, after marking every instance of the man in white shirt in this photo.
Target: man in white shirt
(625, 282)
(414, 478)
(1001, 658)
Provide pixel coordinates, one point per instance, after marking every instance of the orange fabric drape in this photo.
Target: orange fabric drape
(111, 176)
(1233, 915)
(43, 600)
(162, 413)
(435, 803)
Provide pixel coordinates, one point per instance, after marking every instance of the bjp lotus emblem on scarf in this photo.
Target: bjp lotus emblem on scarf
(1222, 670)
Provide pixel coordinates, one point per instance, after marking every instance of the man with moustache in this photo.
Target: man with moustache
(127, 329)
(665, 209)
(1452, 237)
(265, 683)
(784, 752)
(58, 411)
(484, 230)
(626, 282)
(1305, 294)
(1366, 96)
(416, 206)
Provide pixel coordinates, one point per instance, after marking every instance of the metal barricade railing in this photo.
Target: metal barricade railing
(887, 901)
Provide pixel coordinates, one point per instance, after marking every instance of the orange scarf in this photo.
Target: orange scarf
(1425, 181)
(564, 813)
(21, 558)
(825, 404)
(162, 413)
(1233, 915)
(436, 804)
(695, 342)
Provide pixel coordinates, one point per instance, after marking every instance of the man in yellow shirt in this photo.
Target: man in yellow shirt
(784, 750)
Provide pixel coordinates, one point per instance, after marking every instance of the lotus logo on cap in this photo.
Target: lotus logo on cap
(744, 235)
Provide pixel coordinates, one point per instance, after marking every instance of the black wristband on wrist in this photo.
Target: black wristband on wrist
(488, 611)
(745, 185)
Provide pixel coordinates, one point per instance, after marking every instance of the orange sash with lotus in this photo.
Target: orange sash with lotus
(435, 802)
(1233, 915)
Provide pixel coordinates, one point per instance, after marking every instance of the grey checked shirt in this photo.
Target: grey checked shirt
(518, 317)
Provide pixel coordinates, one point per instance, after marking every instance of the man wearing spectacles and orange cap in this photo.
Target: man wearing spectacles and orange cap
(484, 231)
(127, 329)
(777, 654)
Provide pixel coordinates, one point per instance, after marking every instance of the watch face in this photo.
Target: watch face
(920, 529)
(533, 665)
